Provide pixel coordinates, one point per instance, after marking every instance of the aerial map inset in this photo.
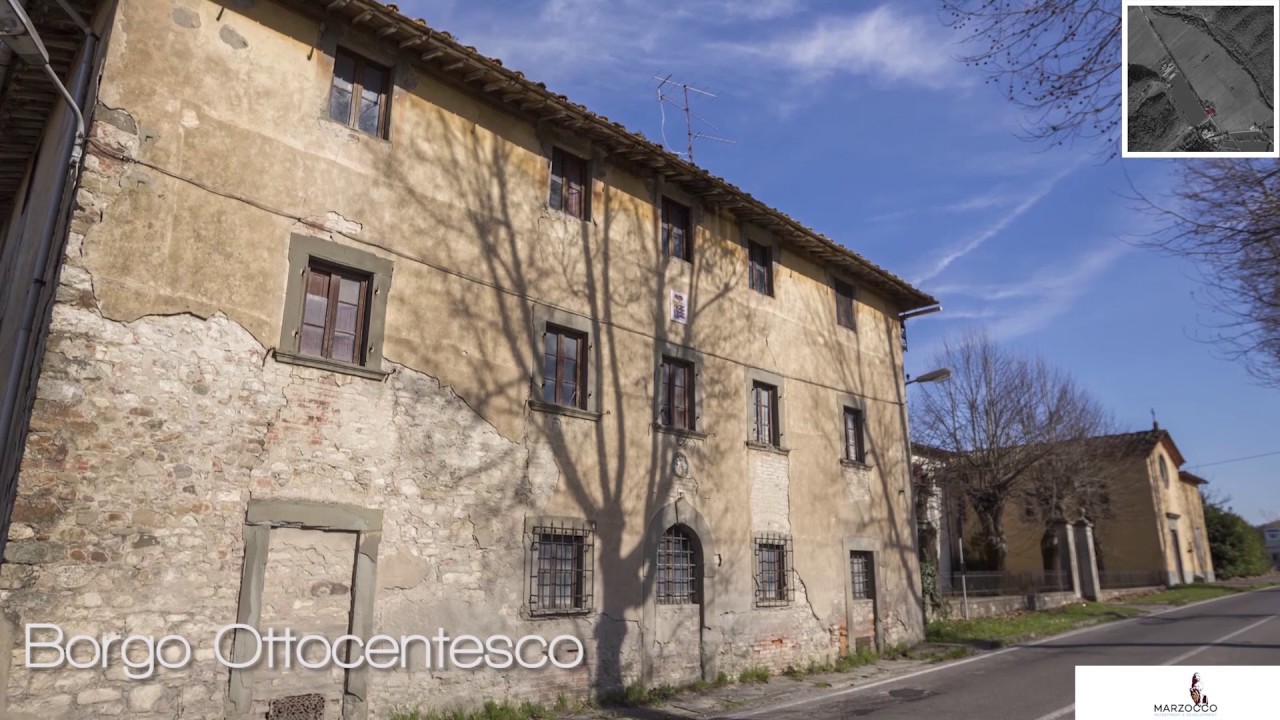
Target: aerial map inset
(1200, 79)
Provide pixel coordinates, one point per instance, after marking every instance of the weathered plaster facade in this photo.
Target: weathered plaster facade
(182, 472)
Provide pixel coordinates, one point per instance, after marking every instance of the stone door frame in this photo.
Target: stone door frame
(871, 545)
(680, 512)
(260, 517)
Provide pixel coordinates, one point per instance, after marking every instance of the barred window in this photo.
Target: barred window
(862, 573)
(678, 571)
(773, 569)
(561, 561)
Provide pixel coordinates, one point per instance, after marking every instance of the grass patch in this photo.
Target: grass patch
(1014, 628)
(758, 674)
(504, 710)
(1185, 594)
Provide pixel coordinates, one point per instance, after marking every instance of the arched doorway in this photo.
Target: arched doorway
(679, 597)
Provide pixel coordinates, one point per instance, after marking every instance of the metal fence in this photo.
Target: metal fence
(987, 583)
(1112, 579)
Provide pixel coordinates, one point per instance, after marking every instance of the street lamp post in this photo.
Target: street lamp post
(939, 375)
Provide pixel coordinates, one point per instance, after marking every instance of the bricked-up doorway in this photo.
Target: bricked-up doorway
(679, 597)
(862, 593)
(355, 527)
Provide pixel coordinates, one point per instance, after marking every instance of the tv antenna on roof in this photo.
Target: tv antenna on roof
(666, 88)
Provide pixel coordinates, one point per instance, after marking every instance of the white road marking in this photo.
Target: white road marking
(1058, 713)
(976, 658)
(1224, 638)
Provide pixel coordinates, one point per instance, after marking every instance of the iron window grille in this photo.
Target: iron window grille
(862, 574)
(561, 566)
(764, 402)
(297, 707)
(760, 267)
(855, 448)
(774, 571)
(570, 186)
(678, 568)
(564, 367)
(358, 94)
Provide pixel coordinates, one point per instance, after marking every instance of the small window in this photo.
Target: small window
(570, 184)
(1164, 471)
(844, 303)
(677, 409)
(855, 447)
(764, 402)
(561, 560)
(862, 575)
(773, 570)
(358, 95)
(564, 368)
(677, 230)
(334, 314)
(760, 267)
(677, 568)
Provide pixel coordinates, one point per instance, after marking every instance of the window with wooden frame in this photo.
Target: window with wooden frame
(678, 567)
(677, 230)
(764, 403)
(677, 407)
(570, 184)
(844, 303)
(760, 267)
(855, 446)
(773, 569)
(862, 575)
(334, 313)
(358, 96)
(564, 367)
(561, 565)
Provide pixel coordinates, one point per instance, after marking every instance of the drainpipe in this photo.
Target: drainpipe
(50, 227)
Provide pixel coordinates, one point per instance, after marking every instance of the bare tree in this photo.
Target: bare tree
(1003, 425)
(1057, 59)
(1225, 217)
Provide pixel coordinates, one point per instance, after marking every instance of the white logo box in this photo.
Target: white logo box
(1138, 692)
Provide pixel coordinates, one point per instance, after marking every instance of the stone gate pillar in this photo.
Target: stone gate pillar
(1087, 560)
(1067, 560)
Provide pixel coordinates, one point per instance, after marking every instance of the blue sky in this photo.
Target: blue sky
(856, 119)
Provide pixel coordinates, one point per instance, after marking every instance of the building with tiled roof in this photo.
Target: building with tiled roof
(342, 328)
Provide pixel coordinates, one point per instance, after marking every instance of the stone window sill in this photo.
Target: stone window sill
(768, 448)
(665, 430)
(558, 614)
(331, 365)
(554, 409)
(854, 464)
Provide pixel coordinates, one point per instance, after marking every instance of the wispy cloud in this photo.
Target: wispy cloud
(1032, 303)
(884, 44)
(981, 201)
(965, 247)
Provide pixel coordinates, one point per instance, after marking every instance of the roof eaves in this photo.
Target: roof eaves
(511, 87)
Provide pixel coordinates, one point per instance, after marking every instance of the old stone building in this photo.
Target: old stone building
(358, 331)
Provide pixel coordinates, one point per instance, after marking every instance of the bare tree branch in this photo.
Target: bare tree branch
(1057, 59)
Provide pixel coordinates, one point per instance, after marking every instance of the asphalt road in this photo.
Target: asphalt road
(1037, 681)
